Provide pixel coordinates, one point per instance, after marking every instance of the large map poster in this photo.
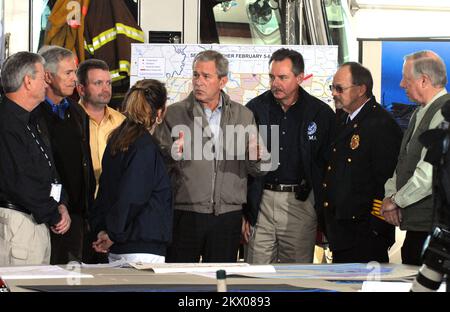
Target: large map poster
(248, 68)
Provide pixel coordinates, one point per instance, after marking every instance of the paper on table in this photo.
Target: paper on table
(231, 268)
(346, 271)
(374, 286)
(39, 272)
(115, 264)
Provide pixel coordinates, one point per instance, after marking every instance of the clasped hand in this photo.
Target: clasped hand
(103, 243)
(391, 212)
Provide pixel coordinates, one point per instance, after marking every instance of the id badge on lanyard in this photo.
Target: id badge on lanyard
(55, 191)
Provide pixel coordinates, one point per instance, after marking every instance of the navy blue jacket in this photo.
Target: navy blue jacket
(317, 128)
(69, 139)
(134, 202)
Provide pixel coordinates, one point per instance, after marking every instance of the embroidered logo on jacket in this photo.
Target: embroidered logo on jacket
(312, 129)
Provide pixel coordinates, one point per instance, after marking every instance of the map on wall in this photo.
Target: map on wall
(248, 68)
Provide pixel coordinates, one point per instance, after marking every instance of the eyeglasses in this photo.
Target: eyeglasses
(340, 89)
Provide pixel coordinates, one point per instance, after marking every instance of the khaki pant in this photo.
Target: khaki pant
(285, 231)
(22, 241)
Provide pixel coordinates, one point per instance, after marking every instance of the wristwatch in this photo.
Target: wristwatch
(393, 200)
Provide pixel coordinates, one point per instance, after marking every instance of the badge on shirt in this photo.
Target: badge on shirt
(55, 192)
(354, 142)
(312, 129)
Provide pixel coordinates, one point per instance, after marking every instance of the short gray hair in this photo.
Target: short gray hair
(16, 67)
(429, 63)
(211, 55)
(53, 55)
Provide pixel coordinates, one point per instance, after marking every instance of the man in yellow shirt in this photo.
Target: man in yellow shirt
(94, 88)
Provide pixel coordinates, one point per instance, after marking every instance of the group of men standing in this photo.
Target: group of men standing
(52, 155)
(338, 175)
(351, 177)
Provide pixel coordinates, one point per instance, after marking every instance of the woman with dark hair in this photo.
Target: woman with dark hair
(133, 211)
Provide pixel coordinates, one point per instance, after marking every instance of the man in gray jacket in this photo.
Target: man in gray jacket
(217, 137)
(408, 201)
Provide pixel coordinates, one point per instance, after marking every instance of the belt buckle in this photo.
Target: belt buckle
(286, 188)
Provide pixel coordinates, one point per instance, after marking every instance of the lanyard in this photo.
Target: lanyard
(41, 148)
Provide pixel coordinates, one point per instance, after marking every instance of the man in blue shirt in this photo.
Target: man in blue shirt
(68, 129)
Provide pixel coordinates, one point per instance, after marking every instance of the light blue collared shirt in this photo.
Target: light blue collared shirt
(213, 118)
(58, 109)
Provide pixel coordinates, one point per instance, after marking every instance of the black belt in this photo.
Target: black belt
(281, 187)
(9, 205)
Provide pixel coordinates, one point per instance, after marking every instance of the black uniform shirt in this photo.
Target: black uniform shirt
(25, 174)
(289, 168)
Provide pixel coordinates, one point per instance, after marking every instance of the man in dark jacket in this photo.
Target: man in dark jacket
(363, 157)
(32, 199)
(280, 206)
(68, 130)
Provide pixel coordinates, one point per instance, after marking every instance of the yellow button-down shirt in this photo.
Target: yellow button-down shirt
(99, 133)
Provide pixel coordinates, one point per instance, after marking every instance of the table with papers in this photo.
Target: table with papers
(201, 277)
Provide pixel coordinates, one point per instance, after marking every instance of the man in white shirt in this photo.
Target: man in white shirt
(408, 201)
